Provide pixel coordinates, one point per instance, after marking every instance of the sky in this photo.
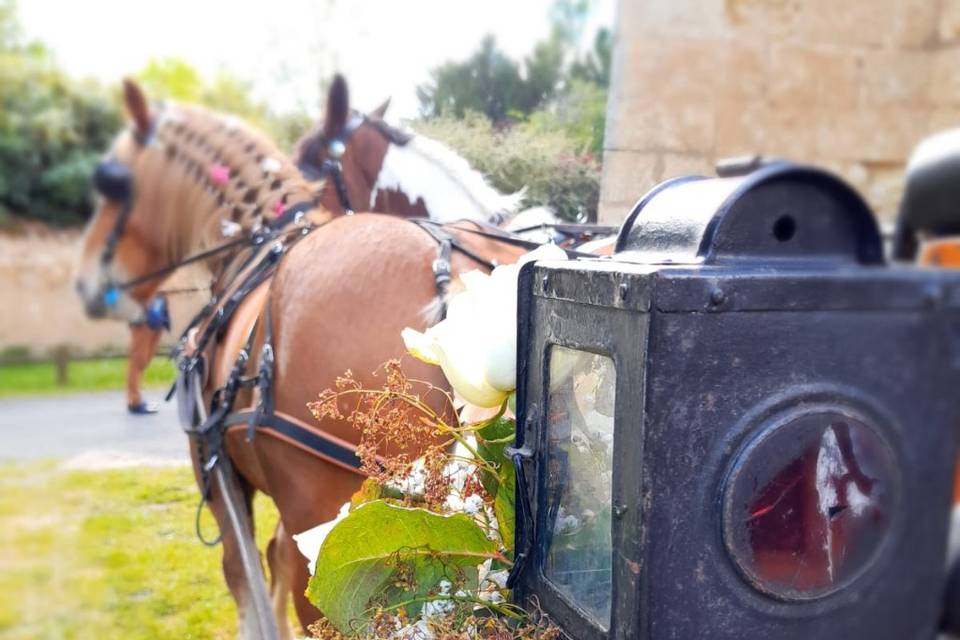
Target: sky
(284, 47)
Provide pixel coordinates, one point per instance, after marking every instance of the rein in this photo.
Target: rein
(573, 229)
(203, 255)
(255, 239)
(498, 235)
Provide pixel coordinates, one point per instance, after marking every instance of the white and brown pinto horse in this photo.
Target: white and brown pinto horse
(384, 169)
(338, 300)
(388, 170)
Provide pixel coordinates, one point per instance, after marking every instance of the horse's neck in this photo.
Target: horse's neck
(423, 169)
(195, 225)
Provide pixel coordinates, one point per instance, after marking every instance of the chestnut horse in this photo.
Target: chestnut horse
(338, 300)
(376, 168)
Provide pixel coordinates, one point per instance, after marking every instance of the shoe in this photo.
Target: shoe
(143, 409)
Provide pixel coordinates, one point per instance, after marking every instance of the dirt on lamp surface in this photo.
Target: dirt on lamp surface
(41, 311)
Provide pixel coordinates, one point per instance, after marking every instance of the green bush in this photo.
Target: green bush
(54, 129)
(176, 79)
(52, 132)
(555, 167)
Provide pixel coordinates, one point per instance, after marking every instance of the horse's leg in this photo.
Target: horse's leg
(143, 344)
(305, 492)
(280, 578)
(299, 576)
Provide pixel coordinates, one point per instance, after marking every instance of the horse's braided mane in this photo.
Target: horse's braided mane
(260, 180)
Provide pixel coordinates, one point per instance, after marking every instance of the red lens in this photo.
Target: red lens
(809, 503)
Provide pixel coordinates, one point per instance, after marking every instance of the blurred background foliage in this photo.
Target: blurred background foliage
(535, 123)
(52, 130)
(538, 123)
(175, 79)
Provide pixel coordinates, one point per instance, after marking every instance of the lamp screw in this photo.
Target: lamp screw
(717, 297)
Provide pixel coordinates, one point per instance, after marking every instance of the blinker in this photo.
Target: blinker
(112, 179)
(739, 425)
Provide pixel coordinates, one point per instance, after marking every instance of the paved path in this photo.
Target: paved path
(90, 427)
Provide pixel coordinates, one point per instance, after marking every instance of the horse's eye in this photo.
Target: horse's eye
(112, 180)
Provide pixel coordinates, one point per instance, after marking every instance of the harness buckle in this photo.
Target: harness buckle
(264, 382)
(441, 269)
(211, 463)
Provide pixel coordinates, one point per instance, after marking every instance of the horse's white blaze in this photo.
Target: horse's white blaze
(449, 187)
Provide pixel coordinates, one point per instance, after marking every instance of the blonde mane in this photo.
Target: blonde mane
(450, 188)
(224, 175)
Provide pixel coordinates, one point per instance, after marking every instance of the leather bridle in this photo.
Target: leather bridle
(331, 165)
(113, 180)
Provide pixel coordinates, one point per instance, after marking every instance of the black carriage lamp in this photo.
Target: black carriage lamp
(742, 425)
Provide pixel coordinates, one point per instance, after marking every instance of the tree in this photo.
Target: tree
(52, 131)
(177, 79)
(594, 67)
(491, 83)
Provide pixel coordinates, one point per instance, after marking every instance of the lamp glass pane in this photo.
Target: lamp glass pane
(809, 504)
(580, 427)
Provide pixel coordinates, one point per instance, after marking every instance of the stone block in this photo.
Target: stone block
(675, 18)
(627, 175)
(948, 31)
(814, 75)
(896, 77)
(764, 128)
(944, 86)
(880, 134)
(884, 190)
(867, 23)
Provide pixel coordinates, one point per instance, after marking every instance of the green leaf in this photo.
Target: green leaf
(505, 504)
(492, 439)
(361, 555)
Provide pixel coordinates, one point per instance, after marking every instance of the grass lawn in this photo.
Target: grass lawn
(110, 554)
(83, 375)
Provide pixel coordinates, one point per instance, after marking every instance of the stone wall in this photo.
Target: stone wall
(41, 311)
(850, 85)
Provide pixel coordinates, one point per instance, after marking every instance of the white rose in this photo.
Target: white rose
(476, 344)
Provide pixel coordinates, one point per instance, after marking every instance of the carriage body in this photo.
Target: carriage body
(742, 424)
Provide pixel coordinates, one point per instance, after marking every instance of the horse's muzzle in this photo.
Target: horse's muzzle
(95, 307)
(93, 301)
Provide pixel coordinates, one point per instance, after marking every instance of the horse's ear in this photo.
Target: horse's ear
(338, 107)
(380, 111)
(137, 106)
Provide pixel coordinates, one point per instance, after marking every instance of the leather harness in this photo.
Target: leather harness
(263, 416)
(331, 167)
(207, 426)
